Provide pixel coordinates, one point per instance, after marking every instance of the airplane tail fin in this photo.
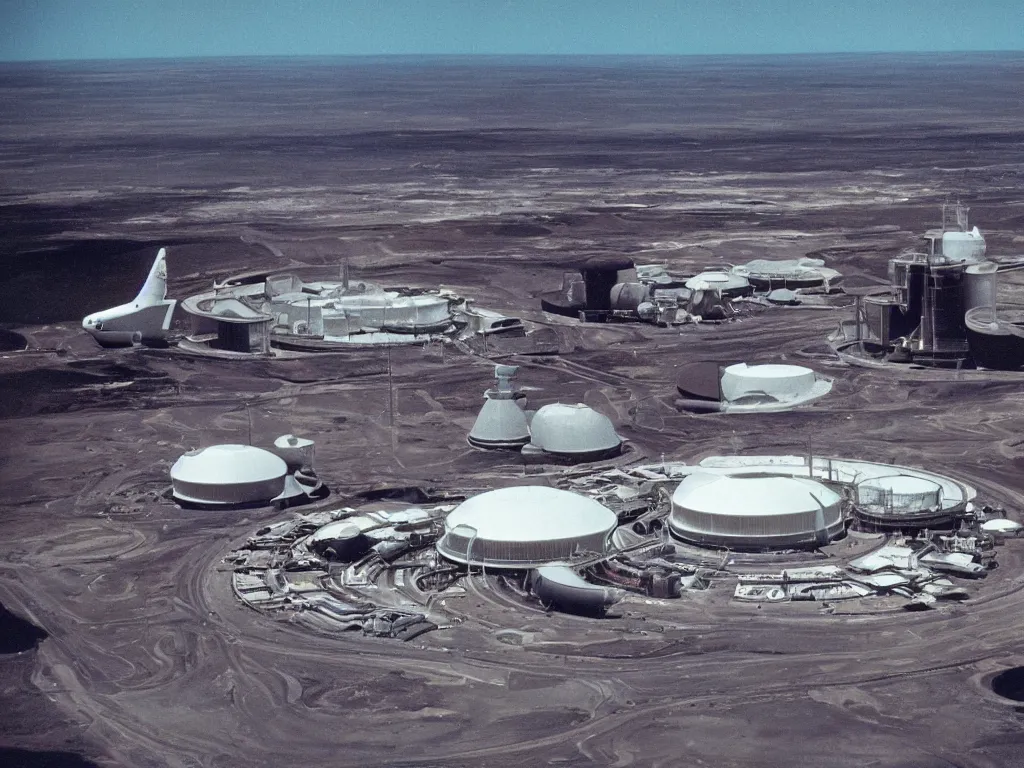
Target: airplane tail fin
(155, 288)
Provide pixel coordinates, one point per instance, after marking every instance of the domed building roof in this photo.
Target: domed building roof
(754, 512)
(228, 474)
(573, 430)
(525, 526)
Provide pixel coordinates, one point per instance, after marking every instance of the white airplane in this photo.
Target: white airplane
(146, 319)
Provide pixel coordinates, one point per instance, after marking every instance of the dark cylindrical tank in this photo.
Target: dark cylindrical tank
(948, 294)
(600, 274)
(980, 285)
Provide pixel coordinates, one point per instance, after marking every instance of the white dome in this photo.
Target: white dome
(572, 429)
(525, 526)
(228, 474)
(754, 512)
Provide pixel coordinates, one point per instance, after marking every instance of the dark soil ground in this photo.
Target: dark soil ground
(491, 178)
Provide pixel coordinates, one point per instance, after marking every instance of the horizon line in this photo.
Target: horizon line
(511, 55)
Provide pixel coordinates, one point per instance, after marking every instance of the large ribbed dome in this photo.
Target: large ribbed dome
(525, 526)
(573, 430)
(754, 512)
(228, 474)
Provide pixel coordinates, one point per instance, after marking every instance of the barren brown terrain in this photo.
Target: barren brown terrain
(492, 178)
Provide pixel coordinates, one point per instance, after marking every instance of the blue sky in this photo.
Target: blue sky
(90, 29)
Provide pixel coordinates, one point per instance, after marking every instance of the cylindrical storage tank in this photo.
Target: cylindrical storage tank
(627, 297)
(948, 290)
(780, 382)
(754, 513)
(573, 430)
(297, 452)
(228, 475)
(526, 527)
(980, 285)
(600, 274)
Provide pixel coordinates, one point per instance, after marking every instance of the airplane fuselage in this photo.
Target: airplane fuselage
(130, 324)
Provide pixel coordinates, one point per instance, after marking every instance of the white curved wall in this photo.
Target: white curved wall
(781, 382)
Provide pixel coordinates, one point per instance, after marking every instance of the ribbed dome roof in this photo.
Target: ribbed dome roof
(752, 496)
(532, 513)
(228, 465)
(559, 428)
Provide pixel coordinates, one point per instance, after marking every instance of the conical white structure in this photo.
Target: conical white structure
(501, 422)
(146, 319)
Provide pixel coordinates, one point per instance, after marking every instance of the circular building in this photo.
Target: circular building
(894, 502)
(575, 431)
(526, 527)
(774, 383)
(754, 513)
(228, 475)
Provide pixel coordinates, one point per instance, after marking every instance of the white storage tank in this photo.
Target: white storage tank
(297, 452)
(778, 382)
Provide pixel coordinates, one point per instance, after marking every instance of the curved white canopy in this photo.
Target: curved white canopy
(531, 513)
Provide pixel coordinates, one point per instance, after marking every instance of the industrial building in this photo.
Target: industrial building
(741, 388)
(940, 307)
(525, 527)
(760, 512)
(613, 288)
(250, 315)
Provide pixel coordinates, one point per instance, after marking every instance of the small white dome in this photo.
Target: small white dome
(572, 429)
(228, 474)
